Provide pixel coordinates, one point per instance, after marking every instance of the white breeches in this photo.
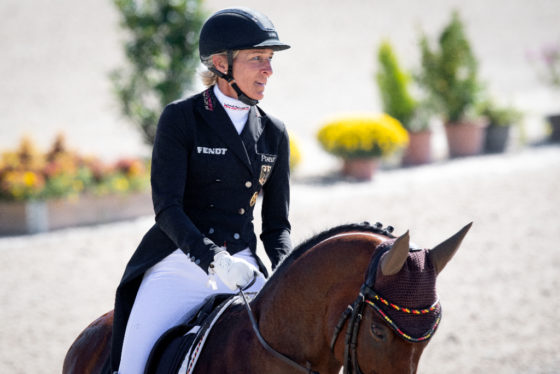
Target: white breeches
(170, 290)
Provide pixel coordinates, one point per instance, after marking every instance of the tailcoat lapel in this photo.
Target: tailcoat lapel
(217, 119)
(252, 130)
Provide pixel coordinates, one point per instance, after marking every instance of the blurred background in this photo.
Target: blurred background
(57, 56)
(502, 296)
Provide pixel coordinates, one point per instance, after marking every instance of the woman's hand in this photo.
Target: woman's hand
(234, 272)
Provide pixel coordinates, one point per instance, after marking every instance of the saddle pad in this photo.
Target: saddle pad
(192, 355)
(177, 351)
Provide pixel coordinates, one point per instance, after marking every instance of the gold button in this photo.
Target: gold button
(248, 184)
(241, 211)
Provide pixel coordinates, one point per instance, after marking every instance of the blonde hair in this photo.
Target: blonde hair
(209, 78)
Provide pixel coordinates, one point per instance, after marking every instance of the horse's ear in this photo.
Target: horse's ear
(394, 259)
(443, 252)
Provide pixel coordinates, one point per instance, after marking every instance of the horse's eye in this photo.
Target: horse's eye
(378, 332)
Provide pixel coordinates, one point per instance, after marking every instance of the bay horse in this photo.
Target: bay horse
(353, 297)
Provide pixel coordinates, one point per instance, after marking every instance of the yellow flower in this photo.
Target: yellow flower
(29, 179)
(27, 173)
(136, 169)
(121, 184)
(358, 136)
(78, 185)
(295, 154)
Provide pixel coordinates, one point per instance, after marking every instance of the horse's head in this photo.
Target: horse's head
(398, 309)
(385, 329)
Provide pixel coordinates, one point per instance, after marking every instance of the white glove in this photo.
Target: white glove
(234, 272)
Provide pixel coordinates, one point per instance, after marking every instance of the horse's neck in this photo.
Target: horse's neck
(307, 300)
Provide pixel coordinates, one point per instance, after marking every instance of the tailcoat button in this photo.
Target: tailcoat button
(236, 236)
(241, 211)
(211, 205)
(211, 230)
(248, 184)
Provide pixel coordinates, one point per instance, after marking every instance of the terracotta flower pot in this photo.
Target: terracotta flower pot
(419, 150)
(360, 168)
(465, 138)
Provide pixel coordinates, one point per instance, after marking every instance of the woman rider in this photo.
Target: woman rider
(213, 154)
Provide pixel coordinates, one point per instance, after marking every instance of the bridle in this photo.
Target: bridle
(354, 314)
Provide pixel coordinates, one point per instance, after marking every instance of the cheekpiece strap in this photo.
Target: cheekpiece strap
(371, 274)
(231, 81)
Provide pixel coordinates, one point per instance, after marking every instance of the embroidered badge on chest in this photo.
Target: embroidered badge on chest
(207, 101)
(265, 173)
(268, 158)
(211, 151)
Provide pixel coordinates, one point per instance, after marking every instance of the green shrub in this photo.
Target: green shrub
(393, 85)
(450, 72)
(499, 115)
(162, 54)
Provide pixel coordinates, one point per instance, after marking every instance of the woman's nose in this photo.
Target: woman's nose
(267, 67)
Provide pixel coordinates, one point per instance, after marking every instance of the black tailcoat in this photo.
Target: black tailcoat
(205, 181)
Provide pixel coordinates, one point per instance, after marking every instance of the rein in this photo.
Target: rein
(267, 346)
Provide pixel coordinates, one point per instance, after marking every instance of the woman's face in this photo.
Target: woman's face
(251, 70)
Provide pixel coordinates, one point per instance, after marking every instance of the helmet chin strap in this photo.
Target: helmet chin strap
(231, 81)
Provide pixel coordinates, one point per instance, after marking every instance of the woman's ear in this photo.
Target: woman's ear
(220, 63)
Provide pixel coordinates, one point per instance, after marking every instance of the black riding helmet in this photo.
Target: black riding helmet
(236, 29)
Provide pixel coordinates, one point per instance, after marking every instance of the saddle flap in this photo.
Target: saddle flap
(170, 349)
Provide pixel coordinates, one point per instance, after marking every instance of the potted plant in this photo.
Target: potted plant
(450, 75)
(397, 100)
(361, 141)
(500, 120)
(548, 68)
(40, 191)
(295, 153)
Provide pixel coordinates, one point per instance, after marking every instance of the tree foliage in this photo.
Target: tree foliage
(162, 57)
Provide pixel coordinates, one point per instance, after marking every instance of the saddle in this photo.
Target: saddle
(178, 348)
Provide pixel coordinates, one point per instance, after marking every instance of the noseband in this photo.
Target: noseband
(354, 313)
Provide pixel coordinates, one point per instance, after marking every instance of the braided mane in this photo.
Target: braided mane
(313, 241)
